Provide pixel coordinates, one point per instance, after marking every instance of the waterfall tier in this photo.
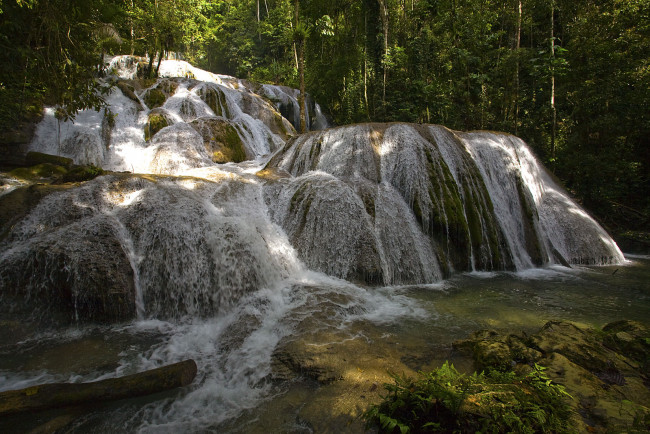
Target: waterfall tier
(403, 203)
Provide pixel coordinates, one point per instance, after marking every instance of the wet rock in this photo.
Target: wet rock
(15, 205)
(157, 120)
(605, 372)
(88, 280)
(157, 95)
(262, 110)
(129, 91)
(221, 140)
(35, 158)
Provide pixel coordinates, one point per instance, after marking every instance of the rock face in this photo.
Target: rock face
(606, 372)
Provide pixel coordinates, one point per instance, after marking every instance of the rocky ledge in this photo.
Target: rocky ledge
(606, 372)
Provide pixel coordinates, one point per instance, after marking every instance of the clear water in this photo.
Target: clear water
(370, 331)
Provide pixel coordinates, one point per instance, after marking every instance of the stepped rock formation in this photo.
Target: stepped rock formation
(381, 204)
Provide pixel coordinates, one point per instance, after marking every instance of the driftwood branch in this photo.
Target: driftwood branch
(57, 395)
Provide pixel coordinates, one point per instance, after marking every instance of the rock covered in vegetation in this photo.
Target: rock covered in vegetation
(156, 95)
(157, 119)
(221, 139)
(606, 372)
(35, 158)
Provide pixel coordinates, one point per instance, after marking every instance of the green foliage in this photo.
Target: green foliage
(445, 400)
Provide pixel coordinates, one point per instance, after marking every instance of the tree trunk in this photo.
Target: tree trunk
(518, 46)
(57, 395)
(150, 67)
(553, 109)
(160, 55)
(384, 20)
(301, 73)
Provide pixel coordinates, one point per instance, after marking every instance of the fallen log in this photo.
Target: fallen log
(55, 395)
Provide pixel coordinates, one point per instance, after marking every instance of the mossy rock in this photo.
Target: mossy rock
(221, 140)
(39, 172)
(129, 91)
(157, 121)
(216, 100)
(605, 372)
(82, 173)
(630, 338)
(154, 98)
(35, 158)
(491, 350)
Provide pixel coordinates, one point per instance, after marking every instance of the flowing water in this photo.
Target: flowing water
(295, 279)
(236, 389)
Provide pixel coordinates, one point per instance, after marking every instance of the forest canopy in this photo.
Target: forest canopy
(571, 77)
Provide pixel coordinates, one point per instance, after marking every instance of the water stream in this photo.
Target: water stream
(396, 328)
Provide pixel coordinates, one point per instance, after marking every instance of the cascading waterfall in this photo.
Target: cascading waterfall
(230, 229)
(481, 201)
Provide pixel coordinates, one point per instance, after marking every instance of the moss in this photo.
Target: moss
(34, 158)
(82, 173)
(216, 100)
(447, 219)
(38, 172)
(529, 215)
(314, 153)
(233, 142)
(230, 146)
(155, 123)
(154, 98)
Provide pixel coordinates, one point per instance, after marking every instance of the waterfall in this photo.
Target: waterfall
(378, 204)
(481, 202)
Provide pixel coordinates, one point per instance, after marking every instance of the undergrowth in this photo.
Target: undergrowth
(447, 401)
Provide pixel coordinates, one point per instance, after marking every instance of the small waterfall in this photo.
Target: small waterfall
(178, 246)
(123, 137)
(285, 99)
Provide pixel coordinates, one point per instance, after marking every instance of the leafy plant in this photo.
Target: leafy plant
(445, 400)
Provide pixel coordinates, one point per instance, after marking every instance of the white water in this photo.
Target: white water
(223, 264)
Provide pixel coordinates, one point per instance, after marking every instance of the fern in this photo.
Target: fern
(446, 400)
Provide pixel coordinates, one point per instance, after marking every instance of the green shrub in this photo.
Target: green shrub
(445, 400)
